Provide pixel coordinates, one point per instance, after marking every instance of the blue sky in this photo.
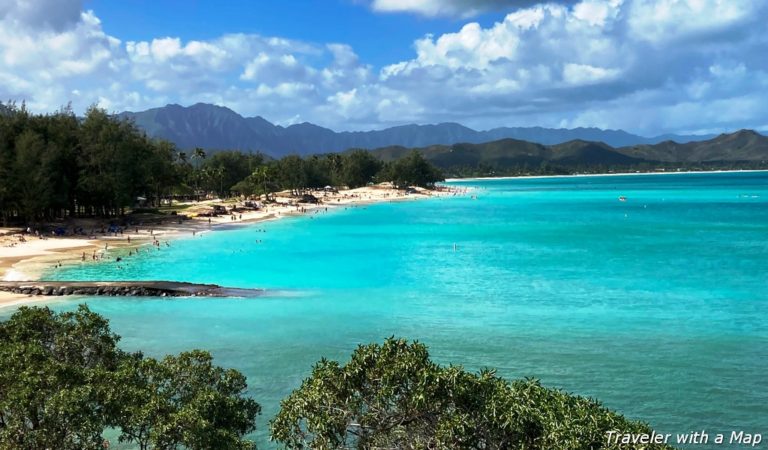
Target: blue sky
(646, 66)
(379, 39)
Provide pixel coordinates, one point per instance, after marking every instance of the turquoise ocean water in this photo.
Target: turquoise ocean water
(657, 306)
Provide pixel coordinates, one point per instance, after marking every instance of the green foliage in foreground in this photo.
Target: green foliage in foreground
(392, 396)
(52, 372)
(63, 381)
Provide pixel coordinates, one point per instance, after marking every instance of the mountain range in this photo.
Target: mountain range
(744, 148)
(214, 127)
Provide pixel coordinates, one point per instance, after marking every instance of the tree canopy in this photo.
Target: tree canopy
(393, 396)
(52, 369)
(412, 170)
(63, 381)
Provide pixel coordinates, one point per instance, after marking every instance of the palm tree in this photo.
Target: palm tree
(198, 155)
(262, 173)
(219, 172)
(336, 163)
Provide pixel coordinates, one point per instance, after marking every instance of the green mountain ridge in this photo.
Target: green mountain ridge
(745, 147)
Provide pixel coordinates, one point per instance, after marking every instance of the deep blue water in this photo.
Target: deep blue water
(656, 305)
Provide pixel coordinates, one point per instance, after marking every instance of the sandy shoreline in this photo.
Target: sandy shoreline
(583, 175)
(27, 261)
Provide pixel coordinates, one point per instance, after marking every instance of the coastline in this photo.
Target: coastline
(620, 174)
(28, 261)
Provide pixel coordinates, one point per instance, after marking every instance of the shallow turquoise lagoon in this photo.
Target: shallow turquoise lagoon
(656, 305)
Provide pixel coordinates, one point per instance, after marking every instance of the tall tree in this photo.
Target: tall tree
(34, 188)
(228, 168)
(161, 169)
(198, 156)
(97, 183)
(358, 168)
(413, 170)
(291, 173)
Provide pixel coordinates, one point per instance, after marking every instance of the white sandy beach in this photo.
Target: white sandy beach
(27, 260)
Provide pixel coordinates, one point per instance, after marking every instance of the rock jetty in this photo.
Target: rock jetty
(124, 289)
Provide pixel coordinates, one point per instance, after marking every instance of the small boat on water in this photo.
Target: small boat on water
(622, 198)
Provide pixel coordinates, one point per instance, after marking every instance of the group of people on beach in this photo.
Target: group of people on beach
(115, 232)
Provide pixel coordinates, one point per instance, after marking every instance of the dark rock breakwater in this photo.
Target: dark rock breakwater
(124, 289)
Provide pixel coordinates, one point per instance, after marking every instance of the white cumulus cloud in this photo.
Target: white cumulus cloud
(460, 8)
(648, 66)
